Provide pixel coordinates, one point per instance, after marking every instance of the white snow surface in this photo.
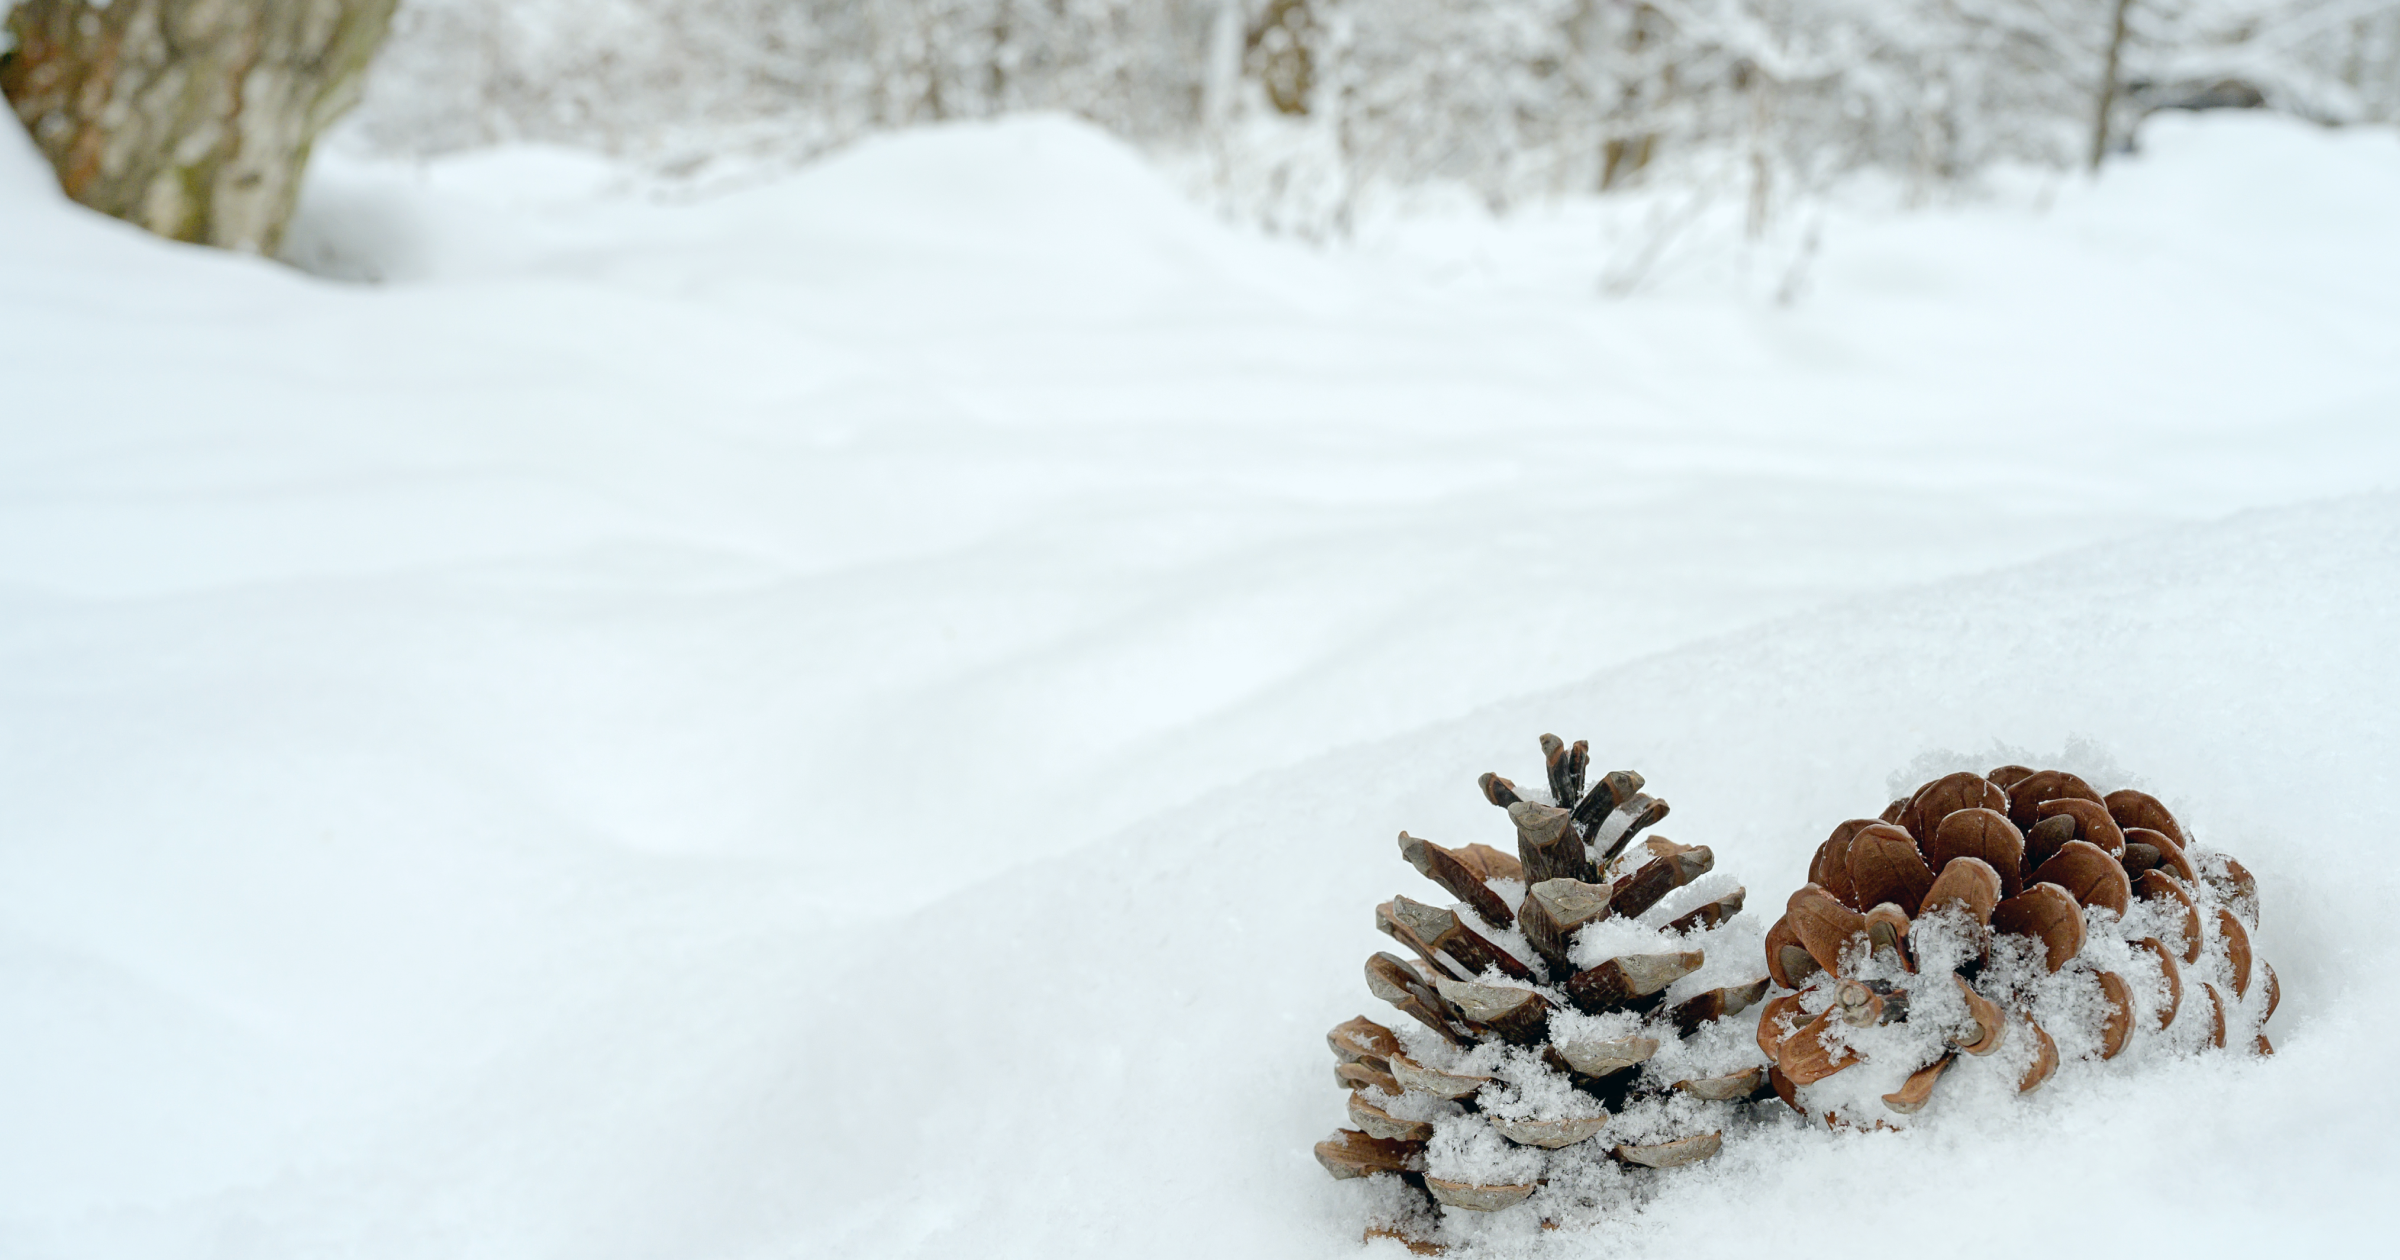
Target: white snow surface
(866, 715)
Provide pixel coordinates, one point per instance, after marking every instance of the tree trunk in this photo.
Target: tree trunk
(192, 118)
(1283, 54)
(2108, 83)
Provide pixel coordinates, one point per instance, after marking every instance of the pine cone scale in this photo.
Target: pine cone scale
(2021, 854)
(1961, 934)
(1514, 1067)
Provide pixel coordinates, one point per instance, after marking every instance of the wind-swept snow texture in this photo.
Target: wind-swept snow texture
(862, 716)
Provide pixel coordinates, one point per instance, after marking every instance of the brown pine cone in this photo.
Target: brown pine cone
(2018, 917)
(1564, 1032)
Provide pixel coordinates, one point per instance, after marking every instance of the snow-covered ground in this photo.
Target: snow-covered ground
(865, 715)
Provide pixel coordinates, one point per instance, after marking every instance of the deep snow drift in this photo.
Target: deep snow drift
(864, 716)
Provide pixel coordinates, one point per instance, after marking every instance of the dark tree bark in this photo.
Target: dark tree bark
(192, 118)
(2108, 83)
(1282, 54)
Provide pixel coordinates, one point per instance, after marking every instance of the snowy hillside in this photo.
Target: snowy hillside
(862, 716)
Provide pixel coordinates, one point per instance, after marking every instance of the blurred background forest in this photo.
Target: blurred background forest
(1291, 111)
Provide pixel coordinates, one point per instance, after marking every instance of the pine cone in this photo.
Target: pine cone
(1565, 1033)
(2019, 915)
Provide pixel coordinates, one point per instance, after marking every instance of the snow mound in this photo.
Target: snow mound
(1149, 1063)
(939, 226)
(744, 728)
